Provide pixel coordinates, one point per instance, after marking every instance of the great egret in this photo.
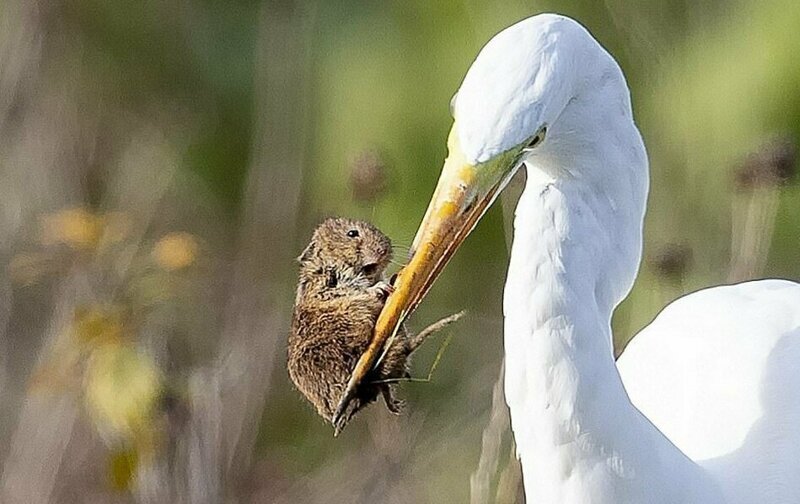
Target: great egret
(705, 405)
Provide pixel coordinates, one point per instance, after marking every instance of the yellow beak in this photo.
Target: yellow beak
(463, 194)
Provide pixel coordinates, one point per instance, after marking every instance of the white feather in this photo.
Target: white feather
(718, 373)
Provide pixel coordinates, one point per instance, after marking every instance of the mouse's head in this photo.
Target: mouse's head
(356, 251)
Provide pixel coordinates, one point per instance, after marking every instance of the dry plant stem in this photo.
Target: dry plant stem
(509, 487)
(5, 315)
(46, 420)
(40, 169)
(480, 482)
(21, 40)
(753, 227)
(257, 317)
(770, 200)
(202, 439)
(393, 443)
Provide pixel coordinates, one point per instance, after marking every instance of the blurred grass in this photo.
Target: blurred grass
(156, 110)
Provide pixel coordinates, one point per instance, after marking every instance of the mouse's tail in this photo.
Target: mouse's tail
(419, 339)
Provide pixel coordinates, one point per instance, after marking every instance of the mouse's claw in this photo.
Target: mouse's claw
(393, 404)
(382, 289)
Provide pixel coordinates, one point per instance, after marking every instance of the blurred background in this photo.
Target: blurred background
(162, 163)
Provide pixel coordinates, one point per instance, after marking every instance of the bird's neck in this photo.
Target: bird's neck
(578, 436)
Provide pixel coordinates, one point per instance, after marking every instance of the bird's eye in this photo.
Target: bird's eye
(537, 139)
(332, 279)
(352, 233)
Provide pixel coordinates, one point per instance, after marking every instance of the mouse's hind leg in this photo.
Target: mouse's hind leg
(394, 404)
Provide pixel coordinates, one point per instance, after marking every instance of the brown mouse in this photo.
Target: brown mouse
(340, 293)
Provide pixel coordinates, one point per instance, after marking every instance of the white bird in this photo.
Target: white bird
(704, 405)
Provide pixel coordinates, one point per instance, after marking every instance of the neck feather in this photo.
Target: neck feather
(578, 436)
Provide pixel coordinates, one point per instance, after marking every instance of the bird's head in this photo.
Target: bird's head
(507, 111)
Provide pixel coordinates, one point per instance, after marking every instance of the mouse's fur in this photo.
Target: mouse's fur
(340, 293)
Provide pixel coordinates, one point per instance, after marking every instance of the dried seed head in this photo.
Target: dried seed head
(672, 261)
(368, 176)
(772, 165)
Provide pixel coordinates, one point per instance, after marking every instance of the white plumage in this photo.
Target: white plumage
(718, 372)
(715, 376)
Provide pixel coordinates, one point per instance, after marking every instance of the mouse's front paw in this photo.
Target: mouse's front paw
(382, 290)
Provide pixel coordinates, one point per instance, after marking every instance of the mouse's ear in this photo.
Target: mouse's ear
(307, 253)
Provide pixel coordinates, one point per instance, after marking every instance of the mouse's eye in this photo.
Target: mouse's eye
(352, 233)
(332, 280)
(369, 269)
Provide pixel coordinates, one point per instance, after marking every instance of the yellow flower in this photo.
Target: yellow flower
(122, 464)
(98, 324)
(76, 227)
(122, 394)
(122, 389)
(175, 251)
